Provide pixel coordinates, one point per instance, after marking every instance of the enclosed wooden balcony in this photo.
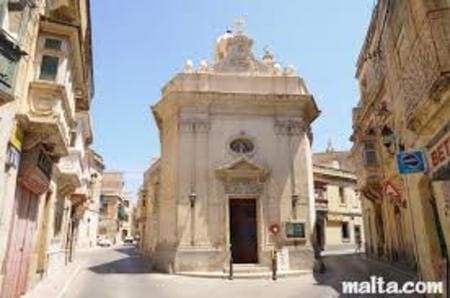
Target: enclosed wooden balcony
(69, 173)
(50, 114)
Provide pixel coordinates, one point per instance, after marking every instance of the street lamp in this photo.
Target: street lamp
(295, 200)
(388, 137)
(192, 198)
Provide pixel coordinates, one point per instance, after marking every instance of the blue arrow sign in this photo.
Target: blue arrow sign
(411, 162)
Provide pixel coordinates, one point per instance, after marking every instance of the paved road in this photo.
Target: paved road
(120, 272)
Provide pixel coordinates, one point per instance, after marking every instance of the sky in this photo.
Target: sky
(139, 45)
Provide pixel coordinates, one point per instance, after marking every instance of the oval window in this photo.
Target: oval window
(242, 146)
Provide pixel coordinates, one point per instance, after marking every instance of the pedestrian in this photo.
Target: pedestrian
(358, 245)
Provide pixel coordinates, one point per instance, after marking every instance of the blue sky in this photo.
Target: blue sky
(140, 45)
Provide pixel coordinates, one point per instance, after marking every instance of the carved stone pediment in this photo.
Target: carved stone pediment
(244, 186)
(239, 57)
(243, 167)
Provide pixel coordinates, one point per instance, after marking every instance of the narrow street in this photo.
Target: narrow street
(120, 272)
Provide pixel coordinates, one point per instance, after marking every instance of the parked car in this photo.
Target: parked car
(128, 239)
(104, 242)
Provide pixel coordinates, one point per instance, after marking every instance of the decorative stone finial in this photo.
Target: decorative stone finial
(289, 70)
(268, 57)
(239, 25)
(203, 66)
(189, 66)
(276, 69)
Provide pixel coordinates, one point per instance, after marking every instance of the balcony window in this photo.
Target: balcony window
(53, 44)
(14, 16)
(49, 68)
(370, 154)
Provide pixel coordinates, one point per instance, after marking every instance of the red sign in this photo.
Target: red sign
(439, 154)
(390, 190)
(33, 185)
(274, 229)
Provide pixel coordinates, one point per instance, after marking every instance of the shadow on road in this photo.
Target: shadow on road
(133, 263)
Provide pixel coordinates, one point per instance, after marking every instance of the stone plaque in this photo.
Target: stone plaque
(243, 186)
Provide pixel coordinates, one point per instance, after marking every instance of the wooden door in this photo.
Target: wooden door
(20, 243)
(243, 232)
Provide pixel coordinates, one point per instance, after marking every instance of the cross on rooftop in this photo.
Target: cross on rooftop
(239, 25)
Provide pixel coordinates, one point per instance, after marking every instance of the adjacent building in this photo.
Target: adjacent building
(46, 90)
(88, 225)
(113, 202)
(235, 179)
(147, 209)
(126, 223)
(339, 224)
(404, 78)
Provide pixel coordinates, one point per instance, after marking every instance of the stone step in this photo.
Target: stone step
(248, 268)
(243, 275)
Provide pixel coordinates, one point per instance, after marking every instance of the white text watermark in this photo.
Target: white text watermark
(377, 285)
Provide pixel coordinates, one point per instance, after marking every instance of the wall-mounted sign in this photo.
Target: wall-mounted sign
(391, 190)
(295, 230)
(411, 162)
(35, 170)
(12, 157)
(274, 229)
(16, 139)
(439, 154)
(34, 185)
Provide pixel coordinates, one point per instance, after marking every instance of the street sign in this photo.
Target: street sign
(411, 162)
(391, 190)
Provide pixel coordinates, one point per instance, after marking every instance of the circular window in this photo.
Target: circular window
(242, 146)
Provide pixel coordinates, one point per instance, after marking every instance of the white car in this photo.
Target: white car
(128, 240)
(104, 242)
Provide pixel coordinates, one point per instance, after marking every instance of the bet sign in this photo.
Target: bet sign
(439, 155)
(411, 162)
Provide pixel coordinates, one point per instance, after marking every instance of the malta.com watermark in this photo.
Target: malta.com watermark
(377, 285)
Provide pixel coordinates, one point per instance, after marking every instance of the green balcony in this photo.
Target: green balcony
(10, 55)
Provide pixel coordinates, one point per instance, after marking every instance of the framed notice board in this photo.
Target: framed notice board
(295, 230)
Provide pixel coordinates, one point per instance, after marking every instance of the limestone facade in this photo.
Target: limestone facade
(235, 162)
(88, 224)
(339, 224)
(45, 94)
(403, 72)
(112, 206)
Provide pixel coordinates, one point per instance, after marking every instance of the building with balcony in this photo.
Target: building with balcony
(403, 72)
(46, 89)
(339, 224)
(126, 218)
(89, 221)
(112, 212)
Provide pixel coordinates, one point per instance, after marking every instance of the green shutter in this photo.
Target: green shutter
(49, 68)
(2, 11)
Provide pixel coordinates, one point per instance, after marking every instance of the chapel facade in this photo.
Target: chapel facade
(235, 179)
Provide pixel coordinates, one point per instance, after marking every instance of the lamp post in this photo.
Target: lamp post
(295, 200)
(192, 198)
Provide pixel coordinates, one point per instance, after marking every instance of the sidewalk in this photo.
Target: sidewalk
(55, 285)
